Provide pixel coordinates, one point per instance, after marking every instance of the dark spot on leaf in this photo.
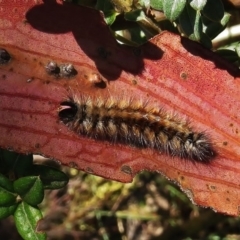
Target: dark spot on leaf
(52, 68)
(4, 56)
(134, 82)
(37, 145)
(212, 187)
(89, 170)
(126, 169)
(67, 70)
(73, 165)
(182, 178)
(183, 75)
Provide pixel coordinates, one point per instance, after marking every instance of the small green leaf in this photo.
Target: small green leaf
(8, 159)
(197, 28)
(52, 178)
(214, 10)
(30, 189)
(9, 155)
(191, 25)
(5, 183)
(157, 4)
(143, 3)
(135, 36)
(109, 13)
(173, 8)
(238, 49)
(7, 211)
(212, 29)
(187, 20)
(26, 218)
(23, 163)
(110, 17)
(7, 196)
(228, 54)
(16, 162)
(104, 5)
(206, 41)
(198, 4)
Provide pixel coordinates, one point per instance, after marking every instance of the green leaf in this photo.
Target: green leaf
(10, 156)
(143, 4)
(238, 49)
(188, 20)
(110, 17)
(8, 159)
(23, 163)
(5, 183)
(214, 10)
(212, 29)
(19, 163)
(135, 36)
(109, 13)
(104, 5)
(147, 27)
(7, 211)
(30, 189)
(7, 196)
(206, 41)
(191, 25)
(52, 178)
(157, 4)
(173, 8)
(228, 54)
(197, 28)
(26, 218)
(232, 46)
(198, 4)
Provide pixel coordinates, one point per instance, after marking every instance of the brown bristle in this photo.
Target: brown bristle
(136, 124)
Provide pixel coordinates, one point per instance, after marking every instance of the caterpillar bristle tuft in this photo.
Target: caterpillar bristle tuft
(136, 124)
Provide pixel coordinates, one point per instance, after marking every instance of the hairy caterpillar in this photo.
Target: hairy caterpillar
(134, 123)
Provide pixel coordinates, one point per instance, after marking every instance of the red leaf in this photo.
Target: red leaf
(173, 73)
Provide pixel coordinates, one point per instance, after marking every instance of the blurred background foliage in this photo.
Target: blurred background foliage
(151, 207)
(133, 22)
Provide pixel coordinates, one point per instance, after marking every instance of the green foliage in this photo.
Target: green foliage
(151, 207)
(30, 189)
(22, 184)
(231, 52)
(134, 22)
(173, 8)
(6, 191)
(26, 218)
(199, 20)
(51, 178)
